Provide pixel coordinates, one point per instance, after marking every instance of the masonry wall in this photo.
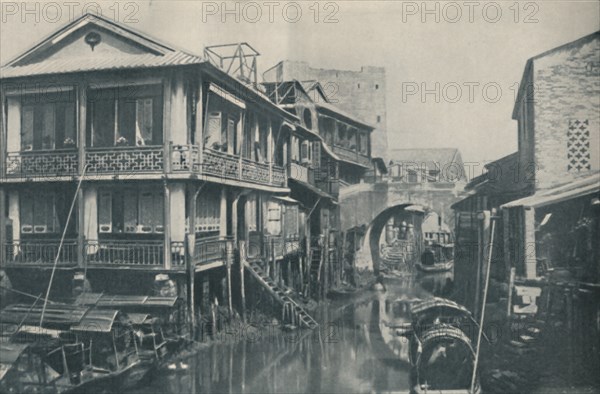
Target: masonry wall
(567, 113)
(361, 93)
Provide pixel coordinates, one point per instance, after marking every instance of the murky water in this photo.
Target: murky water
(353, 351)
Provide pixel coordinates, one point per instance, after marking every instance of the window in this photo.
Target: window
(342, 135)
(273, 218)
(48, 122)
(125, 116)
(305, 152)
(363, 143)
(378, 118)
(295, 155)
(291, 221)
(578, 146)
(376, 86)
(136, 211)
(307, 118)
(38, 213)
(359, 85)
(352, 144)
(208, 211)
(412, 176)
(221, 125)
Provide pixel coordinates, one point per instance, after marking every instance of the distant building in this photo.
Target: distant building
(361, 93)
(547, 194)
(426, 166)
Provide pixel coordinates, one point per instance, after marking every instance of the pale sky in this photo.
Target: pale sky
(471, 46)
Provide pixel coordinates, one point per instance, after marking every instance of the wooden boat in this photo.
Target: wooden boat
(437, 258)
(92, 349)
(440, 351)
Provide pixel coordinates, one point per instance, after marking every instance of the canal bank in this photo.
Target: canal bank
(350, 351)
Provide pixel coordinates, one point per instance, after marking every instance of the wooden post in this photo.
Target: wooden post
(167, 128)
(242, 248)
(228, 260)
(483, 237)
(167, 224)
(199, 137)
(511, 283)
(2, 225)
(81, 144)
(269, 152)
(529, 256)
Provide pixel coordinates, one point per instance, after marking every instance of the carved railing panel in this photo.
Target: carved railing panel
(221, 164)
(279, 177)
(42, 163)
(41, 252)
(185, 158)
(128, 160)
(255, 172)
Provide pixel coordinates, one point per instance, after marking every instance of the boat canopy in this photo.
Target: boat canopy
(62, 316)
(137, 319)
(97, 321)
(9, 354)
(439, 304)
(115, 301)
(58, 315)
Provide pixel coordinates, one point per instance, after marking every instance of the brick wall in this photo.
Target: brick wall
(567, 112)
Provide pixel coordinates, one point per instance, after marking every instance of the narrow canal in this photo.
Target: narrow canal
(353, 351)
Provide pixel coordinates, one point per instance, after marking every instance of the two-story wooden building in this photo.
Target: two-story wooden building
(329, 149)
(129, 160)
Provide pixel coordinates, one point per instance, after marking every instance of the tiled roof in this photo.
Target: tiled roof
(128, 61)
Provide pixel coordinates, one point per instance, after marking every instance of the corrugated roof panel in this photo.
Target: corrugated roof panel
(83, 64)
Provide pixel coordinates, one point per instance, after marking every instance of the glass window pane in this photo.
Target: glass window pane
(131, 211)
(103, 123)
(126, 133)
(48, 138)
(143, 131)
(27, 128)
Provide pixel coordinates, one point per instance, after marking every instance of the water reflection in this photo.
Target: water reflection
(358, 350)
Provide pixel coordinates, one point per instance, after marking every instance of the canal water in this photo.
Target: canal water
(354, 350)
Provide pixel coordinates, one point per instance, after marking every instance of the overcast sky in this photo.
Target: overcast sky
(472, 45)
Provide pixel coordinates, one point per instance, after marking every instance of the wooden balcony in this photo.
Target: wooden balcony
(352, 155)
(232, 167)
(208, 251)
(49, 163)
(40, 253)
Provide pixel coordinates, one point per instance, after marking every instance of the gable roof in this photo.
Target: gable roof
(290, 91)
(529, 65)
(149, 53)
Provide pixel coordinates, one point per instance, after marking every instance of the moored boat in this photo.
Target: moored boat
(437, 258)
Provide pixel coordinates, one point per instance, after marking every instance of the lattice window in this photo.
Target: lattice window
(578, 146)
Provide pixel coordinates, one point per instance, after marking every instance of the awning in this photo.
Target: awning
(286, 199)
(580, 188)
(314, 189)
(227, 96)
(114, 301)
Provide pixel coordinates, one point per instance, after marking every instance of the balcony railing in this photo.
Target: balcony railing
(274, 247)
(127, 253)
(130, 160)
(41, 252)
(208, 250)
(232, 167)
(42, 163)
(117, 160)
(352, 155)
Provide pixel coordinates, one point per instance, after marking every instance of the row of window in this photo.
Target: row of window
(140, 211)
(347, 136)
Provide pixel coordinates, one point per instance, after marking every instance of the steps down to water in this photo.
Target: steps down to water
(294, 312)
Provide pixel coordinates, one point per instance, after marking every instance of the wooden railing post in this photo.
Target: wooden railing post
(167, 226)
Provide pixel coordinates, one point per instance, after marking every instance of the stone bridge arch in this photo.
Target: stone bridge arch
(371, 205)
